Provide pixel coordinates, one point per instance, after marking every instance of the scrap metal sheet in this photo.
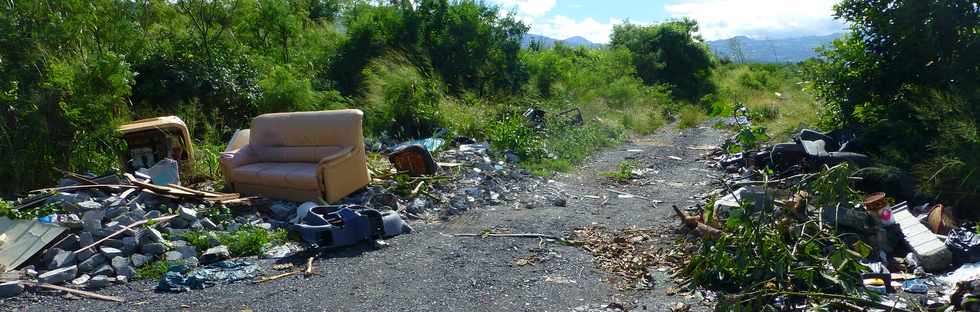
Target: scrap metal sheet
(22, 239)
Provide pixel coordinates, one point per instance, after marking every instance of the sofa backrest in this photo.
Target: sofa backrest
(305, 136)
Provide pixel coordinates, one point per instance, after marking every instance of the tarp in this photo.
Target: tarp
(22, 239)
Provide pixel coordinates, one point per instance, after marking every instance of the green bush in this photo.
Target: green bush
(906, 80)
(690, 117)
(246, 241)
(669, 53)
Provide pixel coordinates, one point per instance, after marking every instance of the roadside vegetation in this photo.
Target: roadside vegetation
(74, 70)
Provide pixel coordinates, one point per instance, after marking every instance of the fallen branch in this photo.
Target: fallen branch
(80, 292)
(275, 277)
(124, 229)
(702, 230)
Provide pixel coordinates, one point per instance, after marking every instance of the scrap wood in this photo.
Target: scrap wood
(275, 277)
(79, 292)
(703, 230)
(309, 267)
(238, 200)
(74, 176)
(79, 187)
(126, 228)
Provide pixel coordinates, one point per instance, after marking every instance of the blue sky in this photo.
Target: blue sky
(719, 19)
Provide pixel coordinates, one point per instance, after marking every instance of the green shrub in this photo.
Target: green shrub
(690, 116)
(624, 172)
(246, 241)
(512, 133)
(153, 270)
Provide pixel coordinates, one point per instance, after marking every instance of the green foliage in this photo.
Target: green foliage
(512, 133)
(756, 259)
(7, 209)
(154, 270)
(690, 117)
(624, 173)
(906, 78)
(668, 53)
(246, 241)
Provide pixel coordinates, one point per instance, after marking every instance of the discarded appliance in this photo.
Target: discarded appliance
(414, 159)
(337, 226)
(931, 254)
(152, 140)
(300, 156)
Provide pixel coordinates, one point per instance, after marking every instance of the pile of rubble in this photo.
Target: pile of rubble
(468, 176)
(108, 227)
(919, 255)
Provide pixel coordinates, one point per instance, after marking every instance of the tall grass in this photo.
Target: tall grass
(774, 94)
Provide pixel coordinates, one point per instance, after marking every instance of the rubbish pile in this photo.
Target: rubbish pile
(466, 177)
(787, 230)
(105, 229)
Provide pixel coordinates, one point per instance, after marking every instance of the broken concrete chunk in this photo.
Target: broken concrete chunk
(84, 255)
(110, 252)
(104, 269)
(62, 258)
(81, 280)
(188, 251)
(152, 214)
(188, 213)
(91, 263)
(59, 275)
(149, 235)
(173, 255)
(215, 254)
(114, 212)
(129, 245)
(154, 248)
(69, 243)
(88, 205)
(94, 215)
(139, 260)
(122, 267)
(209, 225)
(10, 289)
(114, 243)
(85, 238)
(99, 282)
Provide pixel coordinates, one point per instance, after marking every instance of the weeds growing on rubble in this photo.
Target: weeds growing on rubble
(247, 241)
(624, 172)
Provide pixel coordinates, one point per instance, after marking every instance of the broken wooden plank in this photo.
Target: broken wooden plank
(81, 187)
(80, 292)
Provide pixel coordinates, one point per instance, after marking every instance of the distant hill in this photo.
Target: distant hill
(548, 42)
(788, 50)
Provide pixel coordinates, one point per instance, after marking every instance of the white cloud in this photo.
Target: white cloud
(562, 27)
(530, 8)
(720, 19)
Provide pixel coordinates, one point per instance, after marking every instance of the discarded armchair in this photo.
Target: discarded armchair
(304, 156)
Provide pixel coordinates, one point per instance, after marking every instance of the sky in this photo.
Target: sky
(718, 19)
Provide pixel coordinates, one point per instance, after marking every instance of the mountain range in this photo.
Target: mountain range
(786, 50)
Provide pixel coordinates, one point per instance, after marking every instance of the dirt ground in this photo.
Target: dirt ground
(431, 270)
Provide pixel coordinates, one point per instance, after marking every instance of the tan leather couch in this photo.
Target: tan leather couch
(303, 156)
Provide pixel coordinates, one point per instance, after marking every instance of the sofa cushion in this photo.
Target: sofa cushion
(310, 154)
(289, 174)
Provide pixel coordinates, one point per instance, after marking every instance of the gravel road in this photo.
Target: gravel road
(432, 271)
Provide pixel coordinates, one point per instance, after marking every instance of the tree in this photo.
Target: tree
(908, 79)
(668, 53)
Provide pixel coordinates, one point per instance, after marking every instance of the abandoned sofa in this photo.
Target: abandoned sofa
(303, 156)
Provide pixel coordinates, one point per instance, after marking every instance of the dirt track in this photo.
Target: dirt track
(431, 271)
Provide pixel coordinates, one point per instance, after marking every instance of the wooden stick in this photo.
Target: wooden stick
(81, 292)
(275, 277)
(127, 228)
(309, 266)
(75, 187)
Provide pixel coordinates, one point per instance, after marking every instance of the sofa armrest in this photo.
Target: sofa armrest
(336, 158)
(239, 157)
(238, 140)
